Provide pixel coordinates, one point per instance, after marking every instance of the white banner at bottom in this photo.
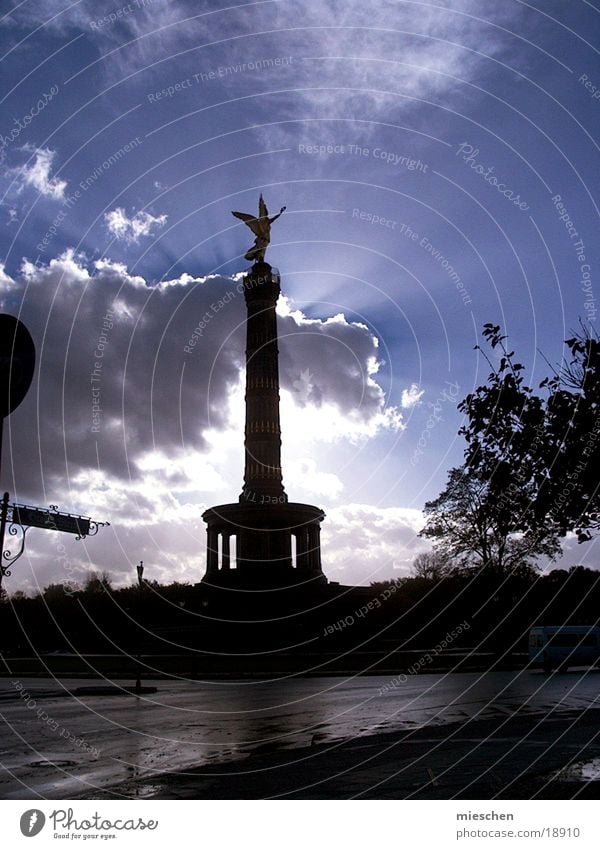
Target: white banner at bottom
(301, 824)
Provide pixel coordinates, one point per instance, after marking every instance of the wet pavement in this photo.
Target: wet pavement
(57, 744)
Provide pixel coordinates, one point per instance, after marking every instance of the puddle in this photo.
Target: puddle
(52, 763)
(143, 789)
(583, 771)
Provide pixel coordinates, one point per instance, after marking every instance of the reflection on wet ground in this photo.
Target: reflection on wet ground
(583, 771)
(189, 723)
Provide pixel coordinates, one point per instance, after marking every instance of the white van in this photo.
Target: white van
(561, 646)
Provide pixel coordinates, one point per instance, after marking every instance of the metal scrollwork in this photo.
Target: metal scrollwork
(94, 528)
(15, 518)
(8, 557)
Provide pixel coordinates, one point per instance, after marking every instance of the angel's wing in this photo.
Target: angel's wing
(250, 221)
(263, 212)
(244, 216)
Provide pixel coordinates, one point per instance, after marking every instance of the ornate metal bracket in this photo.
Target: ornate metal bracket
(8, 559)
(23, 517)
(94, 528)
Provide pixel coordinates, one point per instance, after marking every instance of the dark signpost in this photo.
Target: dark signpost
(50, 519)
(20, 518)
(17, 364)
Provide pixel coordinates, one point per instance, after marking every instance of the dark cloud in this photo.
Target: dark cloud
(330, 361)
(105, 339)
(126, 368)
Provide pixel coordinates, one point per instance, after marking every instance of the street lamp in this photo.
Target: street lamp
(138, 680)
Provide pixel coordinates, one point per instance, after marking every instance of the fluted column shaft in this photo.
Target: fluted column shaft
(263, 483)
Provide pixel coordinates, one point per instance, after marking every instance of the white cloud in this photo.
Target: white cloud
(165, 390)
(329, 390)
(305, 478)
(330, 421)
(350, 58)
(411, 396)
(5, 281)
(170, 436)
(182, 471)
(37, 174)
(362, 543)
(131, 229)
(147, 523)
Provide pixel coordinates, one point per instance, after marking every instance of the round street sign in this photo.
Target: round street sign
(17, 362)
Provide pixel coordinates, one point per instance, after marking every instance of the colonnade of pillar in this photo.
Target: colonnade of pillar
(308, 548)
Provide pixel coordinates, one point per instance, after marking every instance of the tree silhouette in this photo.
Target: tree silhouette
(431, 566)
(531, 462)
(571, 496)
(541, 453)
(97, 582)
(474, 528)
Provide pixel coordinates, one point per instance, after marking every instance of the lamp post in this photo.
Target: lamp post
(140, 574)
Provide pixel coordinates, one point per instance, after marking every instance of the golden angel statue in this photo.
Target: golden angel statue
(261, 227)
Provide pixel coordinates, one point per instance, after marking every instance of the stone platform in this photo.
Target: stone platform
(263, 545)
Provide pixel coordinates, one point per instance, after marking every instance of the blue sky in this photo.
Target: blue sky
(439, 165)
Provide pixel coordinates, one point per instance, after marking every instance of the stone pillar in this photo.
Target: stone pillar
(314, 548)
(212, 551)
(225, 560)
(318, 566)
(301, 548)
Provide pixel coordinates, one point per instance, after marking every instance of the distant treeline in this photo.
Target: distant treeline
(495, 614)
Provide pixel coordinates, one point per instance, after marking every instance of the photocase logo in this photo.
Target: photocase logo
(32, 822)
